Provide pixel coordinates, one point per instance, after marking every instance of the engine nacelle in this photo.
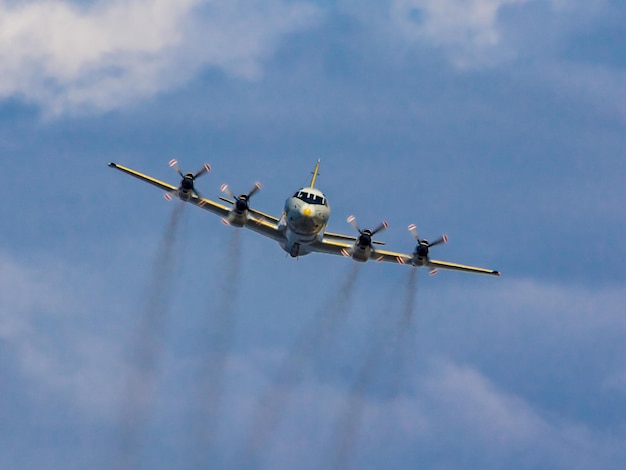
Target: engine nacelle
(420, 255)
(237, 218)
(184, 193)
(361, 253)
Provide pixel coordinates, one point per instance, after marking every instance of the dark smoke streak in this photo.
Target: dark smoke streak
(144, 368)
(349, 423)
(406, 333)
(276, 400)
(218, 334)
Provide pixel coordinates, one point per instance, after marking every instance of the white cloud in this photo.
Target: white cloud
(451, 404)
(497, 425)
(467, 28)
(455, 417)
(104, 55)
(42, 322)
(469, 397)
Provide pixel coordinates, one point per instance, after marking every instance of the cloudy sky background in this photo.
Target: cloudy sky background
(498, 122)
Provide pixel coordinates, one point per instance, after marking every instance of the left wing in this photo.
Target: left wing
(261, 223)
(265, 227)
(207, 204)
(258, 214)
(148, 179)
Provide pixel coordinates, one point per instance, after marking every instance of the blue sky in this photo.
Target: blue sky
(498, 122)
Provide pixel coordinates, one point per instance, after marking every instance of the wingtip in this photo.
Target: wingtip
(496, 273)
(113, 165)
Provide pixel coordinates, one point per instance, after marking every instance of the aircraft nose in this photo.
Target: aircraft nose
(306, 212)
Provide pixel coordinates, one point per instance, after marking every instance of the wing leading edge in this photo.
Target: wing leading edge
(434, 264)
(148, 179)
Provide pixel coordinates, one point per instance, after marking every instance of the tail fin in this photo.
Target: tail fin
(315, 173)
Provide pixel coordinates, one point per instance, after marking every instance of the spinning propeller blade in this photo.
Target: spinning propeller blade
(174, 164)
(187, 183)
(383, 226)
(257, 186)
(205, 169)
(352, 221)
(423, 244)
(226, 189)
(439, 241)
(241, 201)
(366, 235)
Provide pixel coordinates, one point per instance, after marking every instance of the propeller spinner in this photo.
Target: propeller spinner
(365, 236)
(423, 245)
(187, 183)
(242, 201)
(238, 215)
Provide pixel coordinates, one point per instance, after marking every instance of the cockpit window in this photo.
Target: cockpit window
(310, 198)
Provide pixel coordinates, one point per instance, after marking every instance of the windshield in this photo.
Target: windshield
(310, 198)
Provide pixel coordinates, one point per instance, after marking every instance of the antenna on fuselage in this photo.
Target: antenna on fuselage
(315, 173)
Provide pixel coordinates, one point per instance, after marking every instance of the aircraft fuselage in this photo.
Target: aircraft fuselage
(304, 219)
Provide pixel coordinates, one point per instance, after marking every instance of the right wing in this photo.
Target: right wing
(350, 238)
(340, 248)
(337, 247)
(434, 264)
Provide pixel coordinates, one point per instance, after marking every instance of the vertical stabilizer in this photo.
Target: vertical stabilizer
(315, 173)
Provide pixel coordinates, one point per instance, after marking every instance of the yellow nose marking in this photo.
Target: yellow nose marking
(307, 212)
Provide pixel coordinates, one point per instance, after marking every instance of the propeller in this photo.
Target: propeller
(365, 236)
(242, 201)
(423, 245)
(188, 179)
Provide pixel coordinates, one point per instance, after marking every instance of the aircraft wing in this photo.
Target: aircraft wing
(331, 247)
(148, 179)
(434, 264)
(260, 222)
(337, 247)
(350, 238)
(266, 227)
(254, 212)
(207, 204)
(391, 257)
(401, 258)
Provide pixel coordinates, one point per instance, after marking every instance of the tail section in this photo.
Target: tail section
(315, 173)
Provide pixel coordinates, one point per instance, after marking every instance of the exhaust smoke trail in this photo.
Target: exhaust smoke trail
(146, 354)
(275, 400)
(349, 423)
(218, 334)
(405, 334)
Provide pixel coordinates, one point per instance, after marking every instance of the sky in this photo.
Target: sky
(141, 333)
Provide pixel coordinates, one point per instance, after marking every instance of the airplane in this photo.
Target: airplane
(301, 228)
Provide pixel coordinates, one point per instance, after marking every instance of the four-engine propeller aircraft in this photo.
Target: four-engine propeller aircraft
(301, 229)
